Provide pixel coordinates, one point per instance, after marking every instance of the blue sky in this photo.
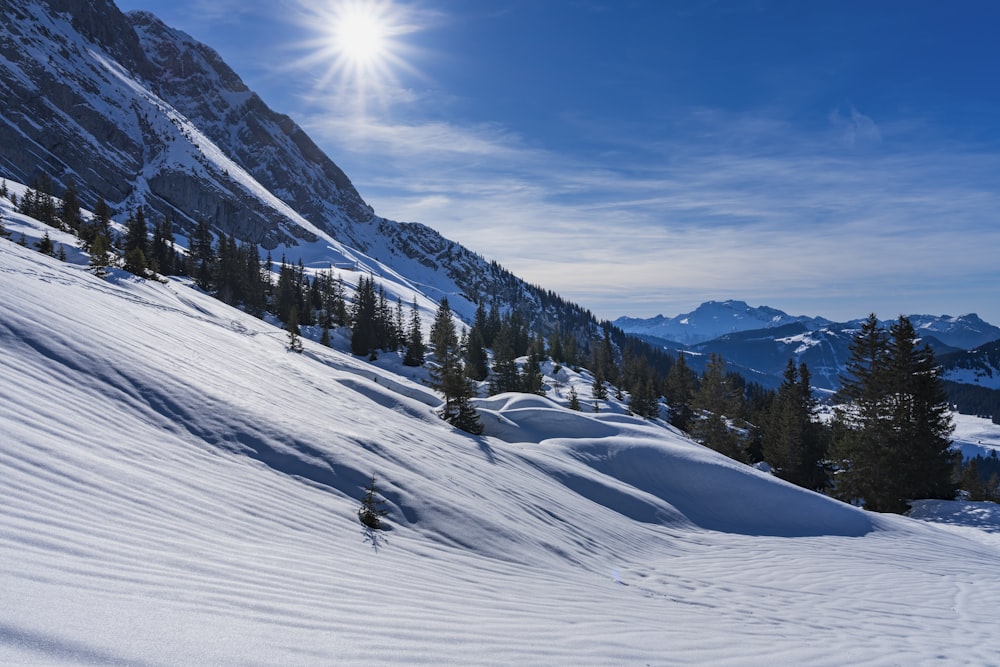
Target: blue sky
(640, 157)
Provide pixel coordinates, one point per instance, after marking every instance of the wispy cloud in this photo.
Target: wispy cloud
(760, 211)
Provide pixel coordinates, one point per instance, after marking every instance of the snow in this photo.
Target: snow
(980, 377)
(178, 488)
(975, 435)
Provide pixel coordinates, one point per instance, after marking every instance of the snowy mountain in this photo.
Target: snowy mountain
(762, 340)
(179, 488)
(980, 367)
(134, 112)
(711, 320)
(964, 332)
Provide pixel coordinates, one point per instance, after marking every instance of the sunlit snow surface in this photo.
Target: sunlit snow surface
(178, 489)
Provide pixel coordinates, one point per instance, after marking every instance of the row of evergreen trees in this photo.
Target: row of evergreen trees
(889, 443)
(891, 437)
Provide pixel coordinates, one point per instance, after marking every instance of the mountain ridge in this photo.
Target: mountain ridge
(713, 319)
(140, 114)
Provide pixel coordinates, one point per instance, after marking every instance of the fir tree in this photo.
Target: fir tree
(476, 360)
(44, 245)
(371, 511)
(574, 399)
(294, 332)
(718, 401)
(364, 325)
(791, 439)
(531, 379)
(681, 384)
(891, 433)
(598, 389)
(70, 209)
(448, 374)
(415, 339)
(136, 236)
(99, 256)
(201, 257)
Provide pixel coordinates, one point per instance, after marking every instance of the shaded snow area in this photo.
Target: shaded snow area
(176, 488)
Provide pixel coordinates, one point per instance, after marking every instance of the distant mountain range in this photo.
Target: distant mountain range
(757, 342)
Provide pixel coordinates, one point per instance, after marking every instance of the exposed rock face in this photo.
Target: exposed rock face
(137, 113)
(129, 110)
(193, 79)
(61, 118)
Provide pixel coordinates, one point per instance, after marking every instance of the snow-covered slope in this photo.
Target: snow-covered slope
(178, 488)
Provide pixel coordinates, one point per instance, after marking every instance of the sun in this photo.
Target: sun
(360, 36)
(356, 48)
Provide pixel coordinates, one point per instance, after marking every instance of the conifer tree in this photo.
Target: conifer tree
(574, 399)
(201, 257)
(415, 339)
(371, 511)
(718, 402)
(364, 325)
(99, 256)
(531, 380)
(598, 389)
(891, 433)
(448, 374)
(476, 360)
(44, 245)
(136, 246)
(922, 416)
(294, 332)
(681, 384)
(69, 211)
(792, 443)
(505, 376)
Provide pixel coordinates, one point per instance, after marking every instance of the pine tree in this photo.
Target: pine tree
(681, 384)
(531, 380)
(70, 209)
(718, 401)
(598, 389)
(99, 256)
(476, 360)
(574, 399)
(448, 374)
(861, 445)
(923, 423)
(364, 325)
(136, 243)
(294, 332)
(201, 257)
(44, 245)
(415, 339)
(371, 511)
(891, 441)
(792, 443)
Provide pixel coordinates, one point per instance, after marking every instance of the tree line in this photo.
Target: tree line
(886, 444)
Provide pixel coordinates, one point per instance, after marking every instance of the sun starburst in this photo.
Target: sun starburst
(357, 48)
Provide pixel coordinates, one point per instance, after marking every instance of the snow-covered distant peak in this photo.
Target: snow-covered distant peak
(711, 320)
